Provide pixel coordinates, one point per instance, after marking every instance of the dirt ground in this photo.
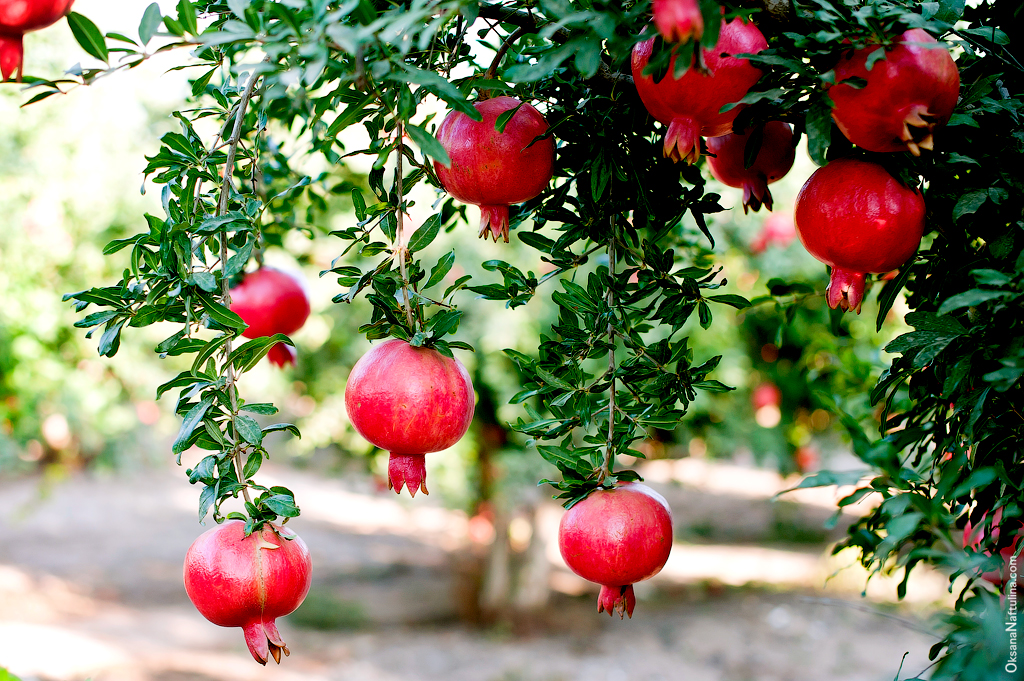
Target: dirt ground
(90, 587)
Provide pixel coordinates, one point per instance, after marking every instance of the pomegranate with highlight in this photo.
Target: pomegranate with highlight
(678, 20)
(271, 301)
(690, 105)
(617, 537)
(18, 17)
(248, 582)
(773, 161)
(409, 401)
(494, 169)
(856, 218)
(909, 94)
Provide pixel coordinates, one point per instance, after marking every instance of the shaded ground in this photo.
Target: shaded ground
(90, 586)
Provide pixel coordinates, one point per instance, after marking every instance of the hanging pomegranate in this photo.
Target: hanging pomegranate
(409, 401)
(271, 301)
(496, 169)
(678, 20)
(856, 218)
(909, 94)
(773, 161)
(616, 537)
(690, 105)
(18, 17)
(248, 582)
(975, 536)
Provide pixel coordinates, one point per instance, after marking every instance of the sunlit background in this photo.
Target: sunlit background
(466, 583)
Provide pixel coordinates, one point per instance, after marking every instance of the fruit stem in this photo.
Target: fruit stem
(399, 247)
(611, 355)
(492, 70)
(222, 208)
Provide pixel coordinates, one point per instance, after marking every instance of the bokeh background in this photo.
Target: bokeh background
(466, 583)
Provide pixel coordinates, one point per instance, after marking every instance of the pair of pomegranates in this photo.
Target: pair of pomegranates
(18, 17)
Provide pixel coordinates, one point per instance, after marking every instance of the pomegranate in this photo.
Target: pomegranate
(690, 105)
(909, 94)
(495, 169)
(857, 218)
(777, 230)
(678, 20)
(973, 538)
(18, 17)
(271, 301)
(773, 161)
(248, 582)
(766, 394)
(616, 537)
(409, 401)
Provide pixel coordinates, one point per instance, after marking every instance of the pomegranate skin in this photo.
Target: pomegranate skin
(271, 301)
(909, 94)
(248, 582)
(856, 218)
(18, 17)
(772, 163)
(617, 537)
(678, 20)
(494, 170)
(690, 105)
(409, 401)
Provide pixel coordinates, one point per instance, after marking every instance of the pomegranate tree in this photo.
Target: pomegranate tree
(856, 218)
(409, 401)
(909, 93)
(271, 301)
(617, 537)
(494, 169)
(248, 581)
(18, 17)
(691, 105)
(678, 20)
(773, 161)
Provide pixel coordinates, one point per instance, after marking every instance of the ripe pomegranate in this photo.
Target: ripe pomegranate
(18, 17)
(690, 105)
(773, 161)
(777, 230)
(271, 301)
(409, 401)
(494, 170)
(248, 582)
(973, 538)
(856, 218)
(678, 20)
(616, 537)
(909, 94)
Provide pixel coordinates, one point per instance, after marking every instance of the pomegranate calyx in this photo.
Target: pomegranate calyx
(264, 641)
(682, 140)
(918, 125)
(757, 194)
(617, 599)
(494, 222)
(12, 53)
(845, 290)
(282, 355)
(407, 470)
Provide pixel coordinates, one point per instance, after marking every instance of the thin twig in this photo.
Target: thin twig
(399, 246)
(909, 624)
(611, 355)
(503, 50)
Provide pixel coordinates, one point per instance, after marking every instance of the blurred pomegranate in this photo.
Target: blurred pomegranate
(766, 394)
(271, 301)
(678, 20)
(807, 458)
(773, 161)
(18, 17)
(974, 537)
(777, 229)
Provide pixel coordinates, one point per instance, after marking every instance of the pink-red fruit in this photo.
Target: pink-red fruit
(857, 218)
(409, 401)
(975, 536)
(248, 582)
(494, 169)
(678, 20)
(617, 537)
(773, 161)
(271, 301)
(690, 106)
(909, 94)
(18, 17)
(777, 230)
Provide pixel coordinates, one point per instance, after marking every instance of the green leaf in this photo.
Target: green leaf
(192, 419)
(265, 408)
(429, 145)
(281, 504)
(438, 271)
(249, 429)
(150, 24)
(819, 129)
(739, 302)
(187, 16)
(252, 463)
(969, 203)
(425, 234)
(88, 36)
(969, 298)
(501, 121)
(887, 296)
(827, 479)
(219, 313)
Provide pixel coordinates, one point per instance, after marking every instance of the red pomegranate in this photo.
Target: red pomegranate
(18, 17)
(495, 169)
(909, 94)
(856, 218)
(409, 401)
(678, 20)
(773, 161)
(973, 538)
(766, 394)
(617, 537)
(271, 301)
(690, 105)
(248, 582)
(777, 230)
